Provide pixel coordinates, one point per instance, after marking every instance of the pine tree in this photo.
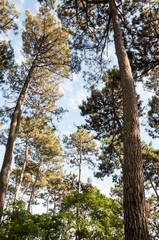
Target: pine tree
(81, 147)
(44, 46)
(94, 21)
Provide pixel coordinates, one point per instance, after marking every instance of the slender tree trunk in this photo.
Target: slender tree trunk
(47, 211)
(25, 191)
(80, 165)
(14, 127)
(135, 219)
(34, 186)
(79, 190)
(155, 190)
(55, 204)
(22, 172)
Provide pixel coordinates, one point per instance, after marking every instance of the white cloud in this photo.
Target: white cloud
(37, 5)
(75, 77)
(66, 87)
(19, 4)
(17, 49)
(66, 132)
(140, 88)
(20, 25)
(76, 100)
(144, 94)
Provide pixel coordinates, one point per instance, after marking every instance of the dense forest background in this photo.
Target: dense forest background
(63, 120)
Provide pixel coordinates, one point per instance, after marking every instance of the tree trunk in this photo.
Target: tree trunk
(80, 165)
(47, 211)
(135, 219)
(25, 191)
(22, 172)
(34, 186)
(79, 190)
(14, 127)
(152, 185)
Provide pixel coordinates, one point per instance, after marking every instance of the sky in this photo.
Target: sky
(74, 93)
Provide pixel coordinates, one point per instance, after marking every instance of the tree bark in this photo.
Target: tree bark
(135, 219)
(14, 127)
(22, 172)
(34, 186)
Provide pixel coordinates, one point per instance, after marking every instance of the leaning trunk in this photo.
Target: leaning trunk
(14, 127)
(152, 185)
(34, 186)
(135, 220)
(22, 172)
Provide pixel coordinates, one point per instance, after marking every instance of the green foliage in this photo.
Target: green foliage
(141, 37)
(99, 218)
(153, 215)
(8, 14)
(18, 224)
(6, 58)
(151, 167)
(103, 109)
(90, 24)
(50, 52)
(153, 116)
(104, 114)
(80, 144)
(45, 41)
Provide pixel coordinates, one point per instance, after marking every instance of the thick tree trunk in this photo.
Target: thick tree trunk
(135, 219)
(14, 127)
(34, 186)
(22, 172)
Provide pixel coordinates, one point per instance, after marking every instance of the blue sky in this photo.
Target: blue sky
(74, 93)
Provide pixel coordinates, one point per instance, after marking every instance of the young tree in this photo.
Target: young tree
(81, 147)
(44, 45)
(47, 151)
(58, 185)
